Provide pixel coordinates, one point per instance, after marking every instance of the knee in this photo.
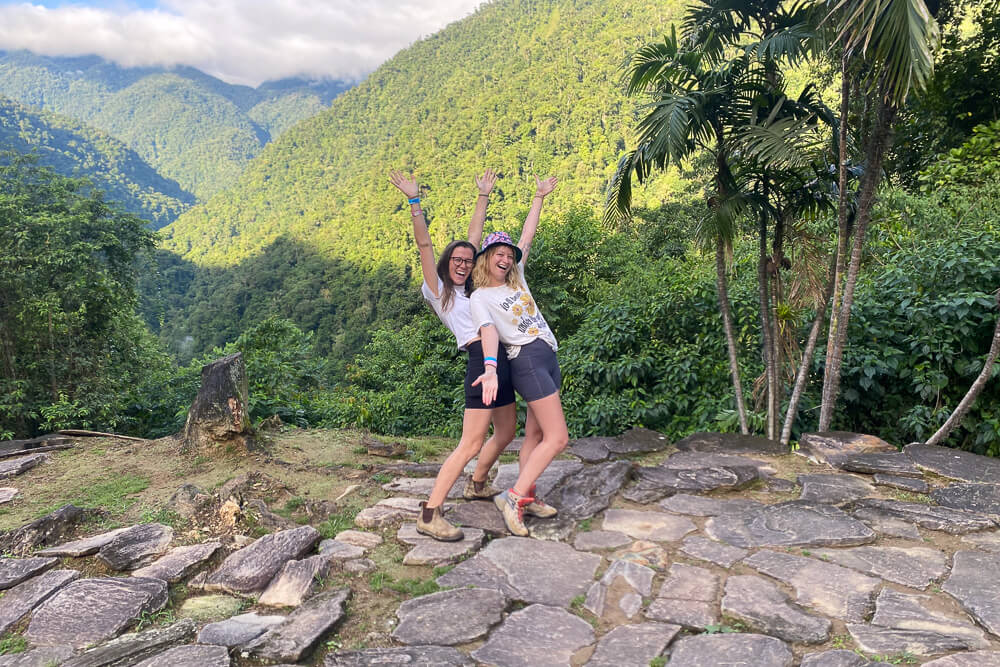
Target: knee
(560, 443)
(505, 433)
(468, 449)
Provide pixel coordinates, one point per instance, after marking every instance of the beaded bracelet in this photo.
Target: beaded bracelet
(415, 200)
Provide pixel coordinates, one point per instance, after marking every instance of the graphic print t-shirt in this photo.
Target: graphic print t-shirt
(513, 313)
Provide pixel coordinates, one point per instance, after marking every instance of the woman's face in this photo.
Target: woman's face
(500, 263)
(460, 265)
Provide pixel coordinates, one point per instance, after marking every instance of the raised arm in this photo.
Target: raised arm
(408, 186)
(485, 185)
(530, 226)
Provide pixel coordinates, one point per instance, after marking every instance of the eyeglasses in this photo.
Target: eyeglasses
(460, 261)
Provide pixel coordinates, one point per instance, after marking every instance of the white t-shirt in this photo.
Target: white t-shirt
(458, 319)
(513, 313)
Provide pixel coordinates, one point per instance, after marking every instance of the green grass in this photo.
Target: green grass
(336, 523)
(658, 661)
(163, 515)
(112, 496)
(585, 525)
(161, 617)
(11, 643)
(411, 587)
(902, 658)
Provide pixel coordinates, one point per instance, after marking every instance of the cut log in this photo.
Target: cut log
(218, 420)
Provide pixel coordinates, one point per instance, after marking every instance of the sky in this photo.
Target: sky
(239, 41)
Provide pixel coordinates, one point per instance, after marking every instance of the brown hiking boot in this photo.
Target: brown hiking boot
(485, 493)
(538, 507)
(512, 506)
(435, 525)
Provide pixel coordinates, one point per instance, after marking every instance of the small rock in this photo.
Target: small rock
(21, 599)
(687, 598)
(238, 630)
(7, 494)
(189, 500)
(631, 580)
(15, 467)
(179, 562)
(835, 447)
(428, 551)
(536, 636)
(834, 489)
(645, 553)
(711, 551)
(600, 540)
(377, 447)
(730, 649)
(387, 513)
(190, 656)
(337, 550)
(763, 607)
(903, 483)
(633, 645)
(136, 547)
(359, 538)
(302, 630)
(15, 570)
(471, 613)
(359, 565)
(655, 526)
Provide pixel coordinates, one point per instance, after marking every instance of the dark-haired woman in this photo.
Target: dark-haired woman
(445, 291)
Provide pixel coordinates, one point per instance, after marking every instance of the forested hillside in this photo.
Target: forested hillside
(191, 127)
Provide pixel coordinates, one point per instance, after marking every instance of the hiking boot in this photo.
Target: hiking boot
(538, 507)
(512, 506)
(435, 525)
(485, 493)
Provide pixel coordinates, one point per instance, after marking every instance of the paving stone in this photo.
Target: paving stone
(358, 538)
(915, 567)
(730, 649)
(600, 540)
(83, 547)
(834, 447)
(17, 602)
(478, 572)
(690, 460)
(701, 548)
(910, 484)
(954, 463)
(834, 489)
(44, 656)
(779, 485)
(179, 562)
(554, 529)
(471, 612)
(583, 494)
(655, 526)
(982, 498)
(359, 565)
(337, 550)
(684, 503)
(829, 589)
(251, 569)
(536, 636)
(302, 630)
(45, 531)
(971, 659)
(421, 487)
(841, 658)
(238, 630)
(956, 522)
(418, 656)
(137, 547)
(886, 463)
(7, 494)
(687, 598)
(428, 551)
(89, 611)
(645, 553)
(633, 645)
(638, 441)
(481, 514)
(973, 582)
(190, 656)
(656, 482)
(546, 482)
(987, 541)
(890, 526)
(590, 450)
(14, 467)
(15, 570)
(388, 512)
(632, 580)
(792, 523)
(296, 581)
(730, 443)
(210, 607)
(763, 607)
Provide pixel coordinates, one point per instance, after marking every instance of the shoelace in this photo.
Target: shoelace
(521, 503)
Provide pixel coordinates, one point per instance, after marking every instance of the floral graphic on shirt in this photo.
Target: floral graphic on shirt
(517, 310)
(532, 331)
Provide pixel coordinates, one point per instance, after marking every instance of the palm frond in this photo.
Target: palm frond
(781, 142)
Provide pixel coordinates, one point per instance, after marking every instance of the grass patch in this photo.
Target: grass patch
(163, 515)
(426, 449)
(508, 457)
(162, 617)
(112, 496)
(410, 587)
(903, 658)
(909, 497)
(11, 643)
(585, 526)
(658, 661)
(336, 523)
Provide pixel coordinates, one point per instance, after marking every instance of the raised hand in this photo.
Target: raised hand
(490, 384)
(543, 188)
(486, 182)
(408, 186)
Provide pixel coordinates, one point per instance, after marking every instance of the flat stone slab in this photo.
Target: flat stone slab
(763, 607)
(687, 598)
(481, 514)
(15, 570)
(18, 602)
(528, 570)
(656, 482)
(600, 540)
(981, 498)
(971, 659)
(956, 522)
(829, 589)
(555, 473)
(251, 569)
(987, 541)
(841, 658)
(684, 503)
(471, 612)
(792, 523)
(730, 443)
(638, 441)
(915, 567)
(645, 553)
(835, 447)
(654, 526)
(911, 484)
(694, 460)
(14, 467)
(421, 487)
(135, 647)
(585, 493)
(40, 657)
(730, 649)
(590, 450)
(136, 547)
(179, 562)
(633, 645)
(834, 489)
(555, 529)
(296, 581)
(954, 463)
(886, 463)
(536, 636)
(84, 547)
(887, 525)
(7, 494)
(303, 629)
(89, 611)
(721, 554)
(388, 512)
(359, 565)
(210, 607)
(190, 656)
(431, 656)
(428, 551)
(238, 630)
(359, 538)
(973, 582)
(335, 550)
(630, 582)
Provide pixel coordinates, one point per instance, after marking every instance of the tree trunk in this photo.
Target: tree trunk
(977, 387)
(767, 339)
(218, 421)
(727, 324)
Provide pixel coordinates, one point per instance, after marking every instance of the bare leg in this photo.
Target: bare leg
(555, 436)
(474, 426)
(504, 427)
(532, 436)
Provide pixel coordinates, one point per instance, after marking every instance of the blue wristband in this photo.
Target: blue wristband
(493, 359)
(415, 200)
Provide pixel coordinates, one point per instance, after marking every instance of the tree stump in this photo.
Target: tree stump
(218, 418)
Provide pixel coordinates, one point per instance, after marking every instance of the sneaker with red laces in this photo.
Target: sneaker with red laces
(538, 507)
(511, 506)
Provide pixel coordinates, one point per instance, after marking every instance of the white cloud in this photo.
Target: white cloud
(240, 41)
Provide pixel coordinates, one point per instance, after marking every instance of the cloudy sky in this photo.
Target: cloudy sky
(240, 41)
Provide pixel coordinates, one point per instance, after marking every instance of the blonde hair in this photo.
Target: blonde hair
(481, 271)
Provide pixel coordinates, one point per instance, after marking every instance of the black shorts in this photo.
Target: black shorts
(474, 368)
(535, 371)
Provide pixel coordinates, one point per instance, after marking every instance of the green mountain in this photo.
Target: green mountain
(191, 127)
(74, 149)
(521, 86)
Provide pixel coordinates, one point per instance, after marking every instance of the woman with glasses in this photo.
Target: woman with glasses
(444, 289)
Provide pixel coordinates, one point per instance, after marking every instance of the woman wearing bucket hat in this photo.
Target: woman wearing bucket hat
(444, 289)
(503, 308)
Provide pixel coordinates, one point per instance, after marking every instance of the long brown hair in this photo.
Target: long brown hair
(443, 265)
(481, 272)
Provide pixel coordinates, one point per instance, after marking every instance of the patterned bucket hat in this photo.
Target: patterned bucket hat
(499, 238)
